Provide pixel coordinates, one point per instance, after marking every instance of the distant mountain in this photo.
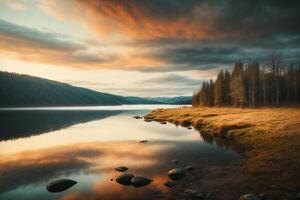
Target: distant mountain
(173, 100)
(139, 100)
(24, 90)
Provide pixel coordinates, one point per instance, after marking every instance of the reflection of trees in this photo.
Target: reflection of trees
(227, 144)
(16, 124)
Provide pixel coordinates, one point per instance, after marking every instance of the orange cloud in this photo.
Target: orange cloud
(136, 20)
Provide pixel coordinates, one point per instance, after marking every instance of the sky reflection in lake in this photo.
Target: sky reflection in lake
(88, 152)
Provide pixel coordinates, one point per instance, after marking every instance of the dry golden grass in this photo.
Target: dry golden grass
(271, 137)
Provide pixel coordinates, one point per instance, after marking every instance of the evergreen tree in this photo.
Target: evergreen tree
(237, 85)
(219, 91)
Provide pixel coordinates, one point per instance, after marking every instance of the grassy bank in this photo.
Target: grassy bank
(270, 138)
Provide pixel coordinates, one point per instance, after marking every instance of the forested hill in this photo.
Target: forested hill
(24, 90)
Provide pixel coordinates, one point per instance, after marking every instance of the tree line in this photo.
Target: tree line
(251, 85)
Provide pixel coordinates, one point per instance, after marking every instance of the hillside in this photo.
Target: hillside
(173, 100)
(24, 90)
(139, 100)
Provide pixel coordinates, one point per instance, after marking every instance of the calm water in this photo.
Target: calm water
(86, 144)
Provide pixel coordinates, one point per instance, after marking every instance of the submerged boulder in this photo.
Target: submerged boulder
(169, 184)
(124, 179)
(121, 169)
(175, 161)
(189, 168)
(249, 196)
(176, 174)
(140, 181)
(144, 141)
(60, 185)
(137, 117)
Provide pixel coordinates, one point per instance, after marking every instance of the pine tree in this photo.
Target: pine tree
(227, 79)
(237, 89)
(219, 90)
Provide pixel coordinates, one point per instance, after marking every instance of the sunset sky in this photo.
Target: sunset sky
(143, 47)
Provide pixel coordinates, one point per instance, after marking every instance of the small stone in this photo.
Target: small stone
(60, 185)
(144, 141)
(189, 128)
(189, 168)
(163, 122)
(176, 174)
(249, 196)
(124, 179)
(137, 117)
(175, 161)
(111, 179)
(121, 169)
(140, 181)
(169, 184)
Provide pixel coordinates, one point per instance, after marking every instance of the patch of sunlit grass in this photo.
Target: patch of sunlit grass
(271, 135)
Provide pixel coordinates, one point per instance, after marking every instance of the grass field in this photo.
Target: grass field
(270, 138)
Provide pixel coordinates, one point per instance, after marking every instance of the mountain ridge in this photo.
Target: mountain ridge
(22, 90)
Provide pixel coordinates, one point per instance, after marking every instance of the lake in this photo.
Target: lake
(86, 144)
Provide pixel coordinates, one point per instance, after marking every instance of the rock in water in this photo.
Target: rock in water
(140, 181)
(144, 141)
(249, 197)
(60, 185)
(163, 122)
(189, 168)
(175, 161)
(176, 174)
(169, 184)
(137, 117)
(121, 169)
(124, 179)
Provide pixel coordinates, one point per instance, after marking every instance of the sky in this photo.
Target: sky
(143, 47)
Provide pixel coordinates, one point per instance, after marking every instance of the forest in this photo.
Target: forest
(252, 85)
(24, 90)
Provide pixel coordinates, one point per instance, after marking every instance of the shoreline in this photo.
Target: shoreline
(268, 139)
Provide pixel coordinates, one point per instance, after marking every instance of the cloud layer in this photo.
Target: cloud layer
(160, 35)
(148, 19)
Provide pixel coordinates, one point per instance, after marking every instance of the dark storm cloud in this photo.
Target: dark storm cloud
(200, 56)
(196, 18)
(185, 54)
(163, 35)
(203, 34)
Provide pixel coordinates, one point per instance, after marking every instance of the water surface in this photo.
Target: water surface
(86, 144)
